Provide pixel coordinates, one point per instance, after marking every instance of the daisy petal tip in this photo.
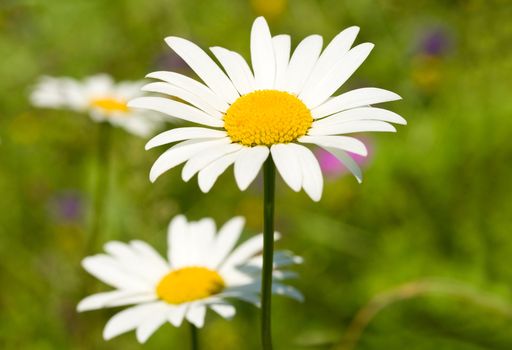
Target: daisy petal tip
(149, 146)
(153, 177)
(142, 338)
(171, 40)
(82, 306)
(152, 75)
(316, 197)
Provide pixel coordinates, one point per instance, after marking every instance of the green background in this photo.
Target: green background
(418, 257)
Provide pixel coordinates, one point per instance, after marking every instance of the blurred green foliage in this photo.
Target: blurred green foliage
(435, 204)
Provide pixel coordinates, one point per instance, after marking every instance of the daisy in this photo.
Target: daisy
(202, 271)
(101, 97)
(277, 109)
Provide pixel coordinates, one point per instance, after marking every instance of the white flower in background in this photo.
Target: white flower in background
(203, 270)
(274, 109)
(101, 97)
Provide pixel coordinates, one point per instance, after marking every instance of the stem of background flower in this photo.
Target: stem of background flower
(269, 180)
(194, 339)
(101, 186)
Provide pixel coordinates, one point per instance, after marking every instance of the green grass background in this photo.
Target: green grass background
(423, 247)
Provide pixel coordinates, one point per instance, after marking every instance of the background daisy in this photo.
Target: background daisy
(99, 96)
(203, 271)
(278, 108)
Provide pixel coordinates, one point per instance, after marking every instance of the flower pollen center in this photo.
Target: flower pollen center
(189, 284)
(110, 105)
(267, 117)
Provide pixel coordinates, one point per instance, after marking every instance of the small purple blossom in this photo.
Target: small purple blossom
(66, 206)
(436, 41)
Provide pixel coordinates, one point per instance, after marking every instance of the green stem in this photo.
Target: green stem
(269, 171)
(194, 338)
(102, 179)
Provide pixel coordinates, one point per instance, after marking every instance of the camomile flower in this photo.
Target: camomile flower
(101, 97)
(203, 271)
(276, 109)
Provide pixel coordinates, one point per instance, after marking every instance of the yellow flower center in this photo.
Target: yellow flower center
(267, 117)
(188, 284)
(110, 105)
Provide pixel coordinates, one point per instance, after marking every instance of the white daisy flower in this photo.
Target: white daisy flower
(203, 270)
(101, 97)
(275, 109)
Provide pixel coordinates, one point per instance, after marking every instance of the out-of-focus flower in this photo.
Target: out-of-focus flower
(269, 9)
(101, 97)
(433, 45)
(333, 168)
(203, 270)
(427, 72)
(66, 206)
(435, 41)
(285, 105)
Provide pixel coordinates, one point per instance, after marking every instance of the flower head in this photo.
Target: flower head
(101, 97)
(203, 270)
(275, 109)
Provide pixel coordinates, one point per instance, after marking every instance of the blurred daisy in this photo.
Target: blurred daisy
(101, 97)
(203, 270)
(281, 105)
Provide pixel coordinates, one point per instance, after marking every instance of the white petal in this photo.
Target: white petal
(282, 46)
(352, 127)
(302, 62)
(177, 314)
(180, 134)
(128, 257)
(237, 69)
(128, 89)
(199, 242)
(108, 270)
(226, 239)
(175, 109)
(151, 255)
(114, 298)
(287, 163)
(130, 319)
(196, 314)
(192, 86)
(316, 94)
(244, 252)
(185, 95)
(180, 153)
(333, 53)
(248, 165)
(176, 240)
(345, 143)
(352, 99)
(205, 67)
(139, 123)
(151, 324)
(211, 173)
(251, 298)
(203, 159)
(312, 180)
(262, 55)
(288, 291)
(349, 163)
(225, 310)
(361, 113)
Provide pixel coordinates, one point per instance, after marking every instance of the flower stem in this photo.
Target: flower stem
(194, 338)
(268, 252)
(101, 185)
